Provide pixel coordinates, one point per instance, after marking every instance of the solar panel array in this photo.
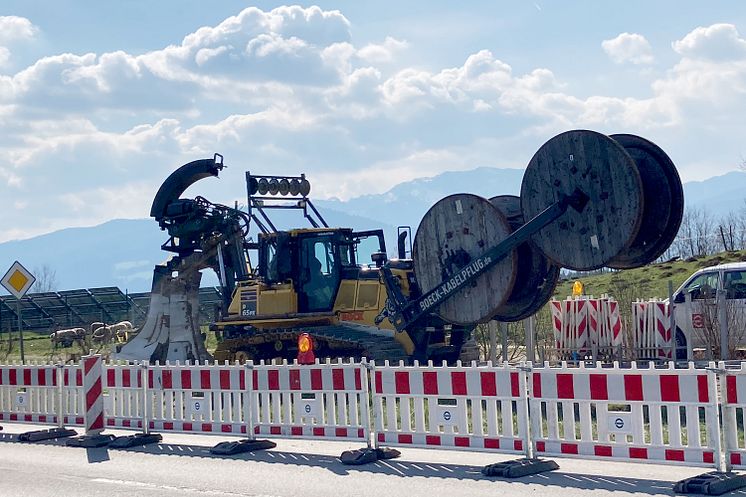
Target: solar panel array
(79, 308)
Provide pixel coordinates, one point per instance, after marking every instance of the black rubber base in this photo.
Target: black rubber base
(52, 433)
(711, 483)
(518, 468)
(136, 440)
(359, 457)
(231, 448)
(90, 441)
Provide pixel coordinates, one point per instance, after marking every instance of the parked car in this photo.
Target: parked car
(695, 304)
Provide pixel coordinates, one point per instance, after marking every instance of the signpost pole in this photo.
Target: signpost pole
(20, 331)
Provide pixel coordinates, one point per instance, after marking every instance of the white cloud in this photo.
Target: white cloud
(14, 28)
(719, 42)
(288, 90)
(382, 53)
(629, 47)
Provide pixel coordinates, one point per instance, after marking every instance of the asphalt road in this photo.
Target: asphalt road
(182, 466)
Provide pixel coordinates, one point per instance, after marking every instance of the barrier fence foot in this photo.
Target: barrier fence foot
(518, 468)
(90, 441)
(368, 455)
(713, 483)
(52, 433)
(241, 446)
(136, 440)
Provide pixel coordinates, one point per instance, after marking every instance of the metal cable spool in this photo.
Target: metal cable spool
(599, 167)
(455, 230)
(536, 276)
(664, 202)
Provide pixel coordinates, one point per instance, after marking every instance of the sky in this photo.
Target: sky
(101, 101)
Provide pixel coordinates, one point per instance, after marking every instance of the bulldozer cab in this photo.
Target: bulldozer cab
(317, 260)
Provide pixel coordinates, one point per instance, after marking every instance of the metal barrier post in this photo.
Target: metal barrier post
(723, 480)
(523, 413)
(530, 465)
(250, 443)
(372, 452)
(59, 378)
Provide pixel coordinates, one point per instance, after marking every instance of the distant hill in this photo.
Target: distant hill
(123, 252)
(406, 203)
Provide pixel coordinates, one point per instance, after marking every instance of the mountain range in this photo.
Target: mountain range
(122, 252)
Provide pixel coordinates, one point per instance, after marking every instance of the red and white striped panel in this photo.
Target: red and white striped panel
(210, 398)
(621, 385)
(734, 409)
(614, 321)
(465, 381)
(329, 378)
(432, 407)
(663, 329)
(698, 456)
(197, 377)
(124, 402)
(28, 376)
(581, 309)
(29, 394)
(574, 411)
(334, 394)
(557, 322)
(93, 370)
(123, 376)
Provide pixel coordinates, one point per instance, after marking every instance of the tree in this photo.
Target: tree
(46, 279)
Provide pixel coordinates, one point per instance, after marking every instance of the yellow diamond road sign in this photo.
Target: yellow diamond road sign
(18, 280)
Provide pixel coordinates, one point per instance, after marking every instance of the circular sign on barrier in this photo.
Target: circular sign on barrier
(698, 321)
(619, 423)
(197, 406)
(447, 415)
(20, 399)
(307, 408)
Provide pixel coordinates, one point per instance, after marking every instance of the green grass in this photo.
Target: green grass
(646, 282)
(38, 347)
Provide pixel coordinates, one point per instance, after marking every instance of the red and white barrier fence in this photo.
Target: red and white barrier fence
(651, 335)
(475, 408)
(586, 327)
(632, 414)
(206, 398)
(667, 415)
(42, 394)
(315, 401)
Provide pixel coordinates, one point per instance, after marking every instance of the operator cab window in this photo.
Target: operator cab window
(734, 283)
(271, 270)
(321, 275)
(703, 286)
(365, 248)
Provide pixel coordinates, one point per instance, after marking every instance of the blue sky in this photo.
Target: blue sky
(100, 101)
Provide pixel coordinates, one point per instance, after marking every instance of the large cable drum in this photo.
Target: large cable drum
(455, 231)
(664, 202)
(600, 168)
(536, 276)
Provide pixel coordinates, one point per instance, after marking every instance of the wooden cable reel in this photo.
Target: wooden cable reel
(452, 233)
(632, 215)
(664, 203)
(536, 277)
(605, 172)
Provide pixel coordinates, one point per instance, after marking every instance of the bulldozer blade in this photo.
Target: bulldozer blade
(171, 331)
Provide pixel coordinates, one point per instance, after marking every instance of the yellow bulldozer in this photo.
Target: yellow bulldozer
(319, 280)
